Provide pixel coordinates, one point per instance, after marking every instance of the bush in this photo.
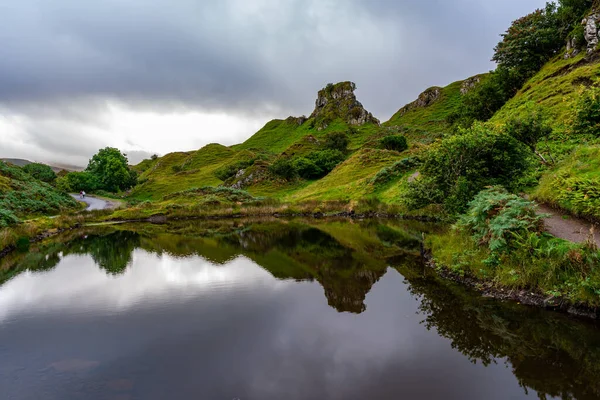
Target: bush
(283, 168)
(587, 112)
(457, 168)
(496, 218)
(307, 168)
(529, 131)
(7, 218)
(336, 141)
(76, 182)
(394, 142)
(40, 171)
(386, 174)
(111, 170)
(326, 160)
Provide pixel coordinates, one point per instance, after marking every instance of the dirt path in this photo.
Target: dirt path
(568, 228)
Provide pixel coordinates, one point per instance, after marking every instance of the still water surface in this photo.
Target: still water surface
(271, 311)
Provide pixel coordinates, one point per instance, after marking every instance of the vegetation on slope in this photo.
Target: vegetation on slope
(23, 196)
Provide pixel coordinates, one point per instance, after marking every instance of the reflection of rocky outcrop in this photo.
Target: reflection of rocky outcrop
(549, 353)
(338, 101)
(347, 294)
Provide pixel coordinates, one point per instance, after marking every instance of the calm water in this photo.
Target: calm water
(271, 311)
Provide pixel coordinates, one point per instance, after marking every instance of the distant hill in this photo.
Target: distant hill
(20, 162)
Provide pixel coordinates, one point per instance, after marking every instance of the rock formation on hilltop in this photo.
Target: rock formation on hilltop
(339, 102)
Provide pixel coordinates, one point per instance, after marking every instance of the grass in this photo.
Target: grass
(430, 120)
(554, 90)
(574, 184)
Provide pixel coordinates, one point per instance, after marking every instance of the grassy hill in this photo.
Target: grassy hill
(426, 116)
(23, 196)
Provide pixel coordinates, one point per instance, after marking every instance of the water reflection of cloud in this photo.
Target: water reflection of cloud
(78, 285)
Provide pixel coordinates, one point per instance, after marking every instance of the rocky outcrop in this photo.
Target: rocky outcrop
(469, 84)
(572, 48)
(339, 102)
(297, 120)
(591, 31)
(425, 99)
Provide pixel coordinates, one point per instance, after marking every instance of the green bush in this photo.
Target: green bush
(386, 174)
(394, 142)
(457, 168)
(326, 160)
(529, 130)
(40, 171)
(77, 181)
(495, 218)
(284, 168)
(307, 168)
(111, 170)
(336, 141)
(587, 112)
(7, 218)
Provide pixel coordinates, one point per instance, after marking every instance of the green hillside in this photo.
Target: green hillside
(428, 114)
(23, 196)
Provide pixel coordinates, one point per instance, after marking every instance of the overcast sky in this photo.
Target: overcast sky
(169, 75)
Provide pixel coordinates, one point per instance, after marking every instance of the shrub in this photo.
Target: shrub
(496, 217)
(326, 160)
(40, 171)
(111, 170)
(457, 168)
(386, 174)
(394, 142)
(7, 218)
(307, 168)
(587, 112)
(336, 141)
(283, 168)
(529, 131)
(77, 181)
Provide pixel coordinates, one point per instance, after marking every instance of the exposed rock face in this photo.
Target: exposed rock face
(339, 101)
(469, 84)
(572, 48)
(425, 99)
(591, 31)
(297, 120)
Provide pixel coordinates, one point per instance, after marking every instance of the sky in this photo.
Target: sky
(157, 76)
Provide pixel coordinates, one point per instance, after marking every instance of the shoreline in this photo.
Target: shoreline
(163, 219)
(521, 296)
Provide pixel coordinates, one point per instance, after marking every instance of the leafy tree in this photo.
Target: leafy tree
(77, 181)
(530, 42)
(587, 112)
(529, 131)
(457, 168)
(394, 142)
(284, 168)
(307, 168)
(326, 160)
(110, 168)
(336, 141)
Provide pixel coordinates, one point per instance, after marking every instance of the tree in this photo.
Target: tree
(457, 168)
(336, 141)
(394, 142)
(77, 181)
(307, 168)
(284, 168)
(40, 171)
(111, 169)
(530, 42)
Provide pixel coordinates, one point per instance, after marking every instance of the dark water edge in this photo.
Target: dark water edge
(361, 270)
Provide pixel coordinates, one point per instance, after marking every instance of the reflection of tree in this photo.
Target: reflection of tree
(113, 252)
(549, 353)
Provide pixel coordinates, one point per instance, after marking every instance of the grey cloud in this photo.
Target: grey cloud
(67, 59)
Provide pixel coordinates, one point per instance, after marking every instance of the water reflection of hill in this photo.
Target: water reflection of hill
(346, 259)
(548, 352)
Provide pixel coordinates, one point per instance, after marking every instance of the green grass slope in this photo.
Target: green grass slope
(23, 196)
(427, 114)
(554, 90)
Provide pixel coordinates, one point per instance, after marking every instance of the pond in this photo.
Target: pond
(271, 310)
